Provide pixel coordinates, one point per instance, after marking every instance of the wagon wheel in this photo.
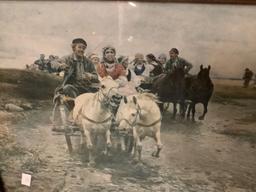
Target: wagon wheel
(64, 117)
(61, 112)
(59, 120)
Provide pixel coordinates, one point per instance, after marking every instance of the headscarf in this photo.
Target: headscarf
(162, 55)
(106, 48)
(104, 52)
(139, 56)
(92, 55)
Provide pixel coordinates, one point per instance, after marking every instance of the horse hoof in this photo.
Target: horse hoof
(140, 164)
(201, 118)
(109, 145)
(154, 154)
(135, 161)
(91, 164)
(104, 152)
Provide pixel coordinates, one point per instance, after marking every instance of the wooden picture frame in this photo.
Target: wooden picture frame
(216, 154)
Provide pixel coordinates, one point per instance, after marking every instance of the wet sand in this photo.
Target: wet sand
(202, 156)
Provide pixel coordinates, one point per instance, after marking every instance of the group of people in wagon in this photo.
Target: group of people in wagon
(82, 71)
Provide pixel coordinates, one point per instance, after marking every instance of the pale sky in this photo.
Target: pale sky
(223, 36)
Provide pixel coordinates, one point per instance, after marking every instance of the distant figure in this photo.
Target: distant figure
(124, 61)
(52, 62)
(41, 62)
(248, 74)
(95, 59)
(156, 66)
(133, 80)
(162, 58)
(177, 62)
(139, 65)
(129, 73)
(32, 67)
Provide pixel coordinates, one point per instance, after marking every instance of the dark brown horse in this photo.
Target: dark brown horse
(199, 89)
(170, 88)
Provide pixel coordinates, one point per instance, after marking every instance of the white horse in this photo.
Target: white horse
(92, 113)
(140, 115)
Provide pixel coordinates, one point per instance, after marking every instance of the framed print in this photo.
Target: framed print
(128, 96)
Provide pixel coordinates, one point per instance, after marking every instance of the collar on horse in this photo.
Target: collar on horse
(149, 125)
(133, 124)
(96, 122)
(104, 103)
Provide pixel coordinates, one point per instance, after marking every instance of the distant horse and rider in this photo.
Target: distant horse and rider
(175, 88)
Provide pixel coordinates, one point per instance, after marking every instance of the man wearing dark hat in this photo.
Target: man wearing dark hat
(79, 71)
(177, 62)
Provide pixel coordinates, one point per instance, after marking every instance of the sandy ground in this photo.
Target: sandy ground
(215, 155)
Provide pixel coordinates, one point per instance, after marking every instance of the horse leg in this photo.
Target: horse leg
(161, 107)
(82, 143)
(130, 144)
(158, 144)
(123, 143)
(135, 144)
(174, 110)
(108, 139)
(139, 147)
(182, 109)
(205, 111)
(193, 106)
(89, 147)
(189, 110)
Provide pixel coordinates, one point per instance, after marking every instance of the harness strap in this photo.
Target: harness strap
(130, 124)
(152, 124)
(93, 121)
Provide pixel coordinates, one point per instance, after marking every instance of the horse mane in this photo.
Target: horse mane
(150, 96)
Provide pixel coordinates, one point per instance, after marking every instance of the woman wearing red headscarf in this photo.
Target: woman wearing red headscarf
(110, 67)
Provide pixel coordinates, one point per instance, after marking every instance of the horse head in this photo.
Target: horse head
(108, 87)
(128, 114)
(204, 73)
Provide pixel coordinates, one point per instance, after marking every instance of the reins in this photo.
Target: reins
(134, 121)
